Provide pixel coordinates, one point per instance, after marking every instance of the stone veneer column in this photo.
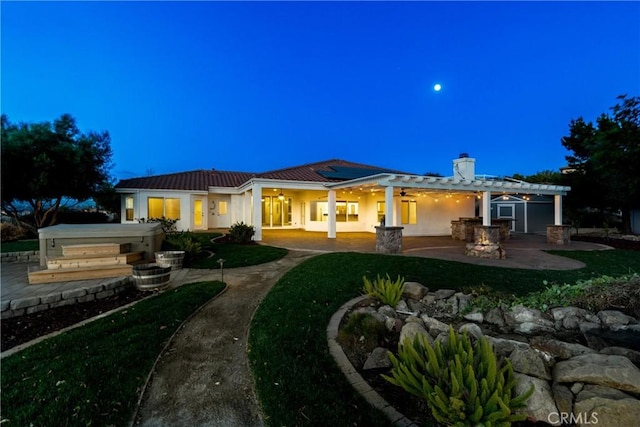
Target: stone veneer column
(388, 240)
(558, 234)
(486, 243)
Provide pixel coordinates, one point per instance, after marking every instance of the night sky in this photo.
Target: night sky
(259, 86)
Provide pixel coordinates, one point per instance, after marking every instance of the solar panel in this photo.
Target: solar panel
(348, 172)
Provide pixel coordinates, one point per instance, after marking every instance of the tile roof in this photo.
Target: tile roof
(198, 180)
(201, 180)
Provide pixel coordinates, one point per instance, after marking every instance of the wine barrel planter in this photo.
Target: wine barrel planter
(149, 277)
(173, 259)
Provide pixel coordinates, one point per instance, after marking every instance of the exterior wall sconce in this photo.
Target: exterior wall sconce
(53, 242)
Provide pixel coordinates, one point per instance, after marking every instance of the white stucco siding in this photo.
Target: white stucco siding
(236, 208)
(434, 218)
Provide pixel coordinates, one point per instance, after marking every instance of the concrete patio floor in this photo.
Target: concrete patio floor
(523, 250)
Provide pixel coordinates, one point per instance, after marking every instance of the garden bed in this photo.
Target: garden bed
(22, 329)
(631, 243)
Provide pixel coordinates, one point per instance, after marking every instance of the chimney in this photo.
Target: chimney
(464, 167)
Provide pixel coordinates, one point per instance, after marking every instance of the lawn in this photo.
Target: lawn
(237, 255)
(297, 381)
(94, 375)
(20, 246)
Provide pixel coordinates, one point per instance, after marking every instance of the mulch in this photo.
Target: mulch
(609, 241)
(22, 329)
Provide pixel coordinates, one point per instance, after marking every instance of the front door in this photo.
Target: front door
(219, 213)
(198, 214)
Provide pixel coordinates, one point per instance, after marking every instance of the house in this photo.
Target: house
(331, 196)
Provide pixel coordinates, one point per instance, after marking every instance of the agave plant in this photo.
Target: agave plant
(386, 290)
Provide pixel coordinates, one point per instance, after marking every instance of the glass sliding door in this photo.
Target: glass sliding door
(266, 211)
(275, 211)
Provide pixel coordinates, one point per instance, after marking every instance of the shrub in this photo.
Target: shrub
(463, 384)
(606, 293)
(241, 232)
(387, 291)
(184, 241)
(168, 225)
(11, 232)
(360, 334)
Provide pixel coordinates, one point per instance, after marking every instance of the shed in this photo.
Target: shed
(529, 213)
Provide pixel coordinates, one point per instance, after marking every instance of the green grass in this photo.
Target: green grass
(20, 246)
(297, 381)
(93, 375)
(236, 255)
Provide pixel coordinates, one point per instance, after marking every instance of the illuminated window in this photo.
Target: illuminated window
(155, 208)
(345, 211)
(409, 212)
(341, 211)
(352, 211)
(318, 211)
(158, 207)
(172, 208)
(128, 208)
(381, 209)
(222, 207)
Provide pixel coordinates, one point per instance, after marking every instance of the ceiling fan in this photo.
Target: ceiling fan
(405, 194)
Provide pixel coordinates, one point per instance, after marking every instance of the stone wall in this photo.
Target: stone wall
(558, 234)
(486, 243)
(463, 229)
(24, 256)
(505, 228)
(388, 240)
(29, 305)
(580, 363)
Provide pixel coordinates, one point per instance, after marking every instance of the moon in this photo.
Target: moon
(437, 87)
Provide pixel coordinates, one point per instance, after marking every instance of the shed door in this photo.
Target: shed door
(507, 211)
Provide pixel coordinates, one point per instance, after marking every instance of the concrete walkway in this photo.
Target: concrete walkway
(203, 378)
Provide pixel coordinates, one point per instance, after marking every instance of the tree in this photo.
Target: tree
(606, 158)
(45, 163)
(542, 177)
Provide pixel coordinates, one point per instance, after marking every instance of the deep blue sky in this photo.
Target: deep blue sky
(259, 86)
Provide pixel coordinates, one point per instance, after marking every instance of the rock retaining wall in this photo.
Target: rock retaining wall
(24, 256)
(584, 366)
(34, 304)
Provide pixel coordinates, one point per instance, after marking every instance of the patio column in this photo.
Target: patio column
(246, 208)
(485, 211)
(256, 214)
(557, 209)
(331, 225)
(389, 220)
